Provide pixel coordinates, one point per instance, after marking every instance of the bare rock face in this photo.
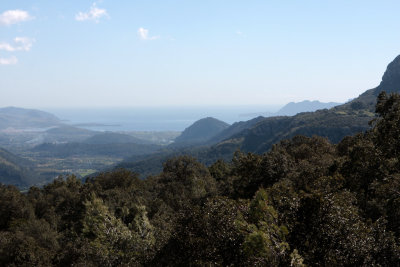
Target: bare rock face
(391, 78)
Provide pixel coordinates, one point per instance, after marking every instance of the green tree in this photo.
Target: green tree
(265, 242)
(184, 180)
(106, 234)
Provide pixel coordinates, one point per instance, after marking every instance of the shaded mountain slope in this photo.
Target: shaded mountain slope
(201, 131)
(152, 164)
(16, 171)
(333, 124)
(289, 109)
(234, 129)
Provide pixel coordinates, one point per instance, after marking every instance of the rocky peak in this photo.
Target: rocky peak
(391, 77)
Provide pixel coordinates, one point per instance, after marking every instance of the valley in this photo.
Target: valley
(56, 147)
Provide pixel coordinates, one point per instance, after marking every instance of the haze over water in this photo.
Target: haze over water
(153, 118)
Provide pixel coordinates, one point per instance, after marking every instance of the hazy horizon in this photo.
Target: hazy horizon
(178, 53)
(121, 119)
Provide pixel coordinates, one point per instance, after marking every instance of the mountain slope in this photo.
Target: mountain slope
(20, 118)
(235, 128)
(16, 171)
(288, 110)
(333, 124)
(201, 131)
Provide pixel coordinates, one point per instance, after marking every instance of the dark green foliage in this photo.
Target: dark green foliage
(184, 179)
(305, 202)
(205, 235)
(357, 105)
(300, 159)
(386, 134)
(265, 240)
(14, 207)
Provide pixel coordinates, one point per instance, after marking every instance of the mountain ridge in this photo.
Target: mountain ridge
(292, 108)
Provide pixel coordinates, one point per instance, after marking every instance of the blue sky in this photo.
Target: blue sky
(80, 53)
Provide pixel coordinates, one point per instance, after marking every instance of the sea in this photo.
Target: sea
(154, 118)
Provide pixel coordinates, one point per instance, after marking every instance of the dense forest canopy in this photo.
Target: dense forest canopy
(305, 202)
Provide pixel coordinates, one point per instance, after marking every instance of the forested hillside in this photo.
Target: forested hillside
(305, 202)
(15, 170)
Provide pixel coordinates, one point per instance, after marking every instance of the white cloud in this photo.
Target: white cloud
(14, 16)
(20, 44)
(94, 14)
(8, 61)
(144, 34)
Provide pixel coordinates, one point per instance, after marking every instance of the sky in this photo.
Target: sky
(127, 53)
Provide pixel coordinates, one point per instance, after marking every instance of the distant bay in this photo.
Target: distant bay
(151, 118)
